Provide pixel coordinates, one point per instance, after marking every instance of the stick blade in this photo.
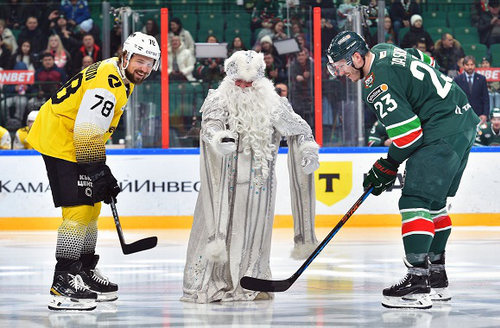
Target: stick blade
(140, 245)
(261, 285)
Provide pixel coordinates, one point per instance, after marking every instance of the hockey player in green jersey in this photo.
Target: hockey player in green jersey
(489, 133)
(432, 127)
(378, 136)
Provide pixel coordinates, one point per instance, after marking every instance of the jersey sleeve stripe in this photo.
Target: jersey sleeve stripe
(408, 140)
(405, 122)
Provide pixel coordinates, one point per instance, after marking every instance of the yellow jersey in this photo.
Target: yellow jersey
(75, 123)
(20, 139)
(4, 138)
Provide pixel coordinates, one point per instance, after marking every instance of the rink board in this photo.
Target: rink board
(160, 188)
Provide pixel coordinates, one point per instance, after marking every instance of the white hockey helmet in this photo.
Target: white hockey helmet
(142, 44)
(32, 115)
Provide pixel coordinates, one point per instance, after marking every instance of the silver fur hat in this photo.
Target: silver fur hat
(247, 65)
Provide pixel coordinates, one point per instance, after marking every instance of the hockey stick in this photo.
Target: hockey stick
(136, 246)
(262, 285)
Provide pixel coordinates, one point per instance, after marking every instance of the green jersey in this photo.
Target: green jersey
(378, 135)
(414, 101)
(486, 136)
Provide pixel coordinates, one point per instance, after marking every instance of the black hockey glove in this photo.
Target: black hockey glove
(104, 183)
(382, 175)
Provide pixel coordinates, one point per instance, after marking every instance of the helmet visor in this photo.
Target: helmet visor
(335, 68)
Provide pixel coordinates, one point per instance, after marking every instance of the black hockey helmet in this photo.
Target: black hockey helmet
(343, 46)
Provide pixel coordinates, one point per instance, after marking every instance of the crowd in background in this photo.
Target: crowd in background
(58, 39)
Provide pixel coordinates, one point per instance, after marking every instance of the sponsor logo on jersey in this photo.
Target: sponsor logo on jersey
(377, 92)
(114, 81)
(383, 54)
(369, 80)
(333, 182)
(112, 129)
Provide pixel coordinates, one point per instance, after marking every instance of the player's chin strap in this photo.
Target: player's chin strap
(361, 73)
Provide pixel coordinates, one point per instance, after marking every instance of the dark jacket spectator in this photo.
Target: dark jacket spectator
(89, 48)
(475, 87)
(416, 34)
(68, 37)
(236, 45)
(273, 71)
(33, 33)
(489, 24)
(301, 86)
(50, 75)
(5, 56)
(447, 53)
(401, 11)
(15, 13)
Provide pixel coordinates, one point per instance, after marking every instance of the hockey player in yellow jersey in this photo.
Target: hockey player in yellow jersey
(22, 133)
(70, 132)
(5, 139)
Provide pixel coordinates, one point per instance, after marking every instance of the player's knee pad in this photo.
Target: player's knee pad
(82, 214)
(407, 202)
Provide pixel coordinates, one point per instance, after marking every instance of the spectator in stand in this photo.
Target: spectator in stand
(401, 12)
(344, 9)
(76, 11)
(33, 33)
(5, 55)
(86, 62)
(389, 29)
(489, 24)
(115, 39)
(417, 33)
(422, 47)
(66, 33)
(448, 53)
(378, 136)
(62, 58)
(328, 31)
(15, 13)
(301, 40)
(236, 45)
(50, 76)
(7, 37)
(184, 35)
(266, 46)
(279, 31)
(273, 72)
(476, 9)
(474, 86)
(264, 12)
(89, 48)
(209, 70)
(297, 13)
(5, 140)
(23, 54)
(17, 99)
(282, 89)
(151, 28)
(180, 61)
(22, 133)
(488, 133)
(493, 87)
(301, 87)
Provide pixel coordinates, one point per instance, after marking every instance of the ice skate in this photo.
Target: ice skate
(98, 283)
(69, 292)
(439, 281)
(413, 291)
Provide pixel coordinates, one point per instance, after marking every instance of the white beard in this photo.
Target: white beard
(251, 112)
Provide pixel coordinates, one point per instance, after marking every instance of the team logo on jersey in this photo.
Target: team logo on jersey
(369, 80)
(333, 182)
(377, 92)
(114, 81)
